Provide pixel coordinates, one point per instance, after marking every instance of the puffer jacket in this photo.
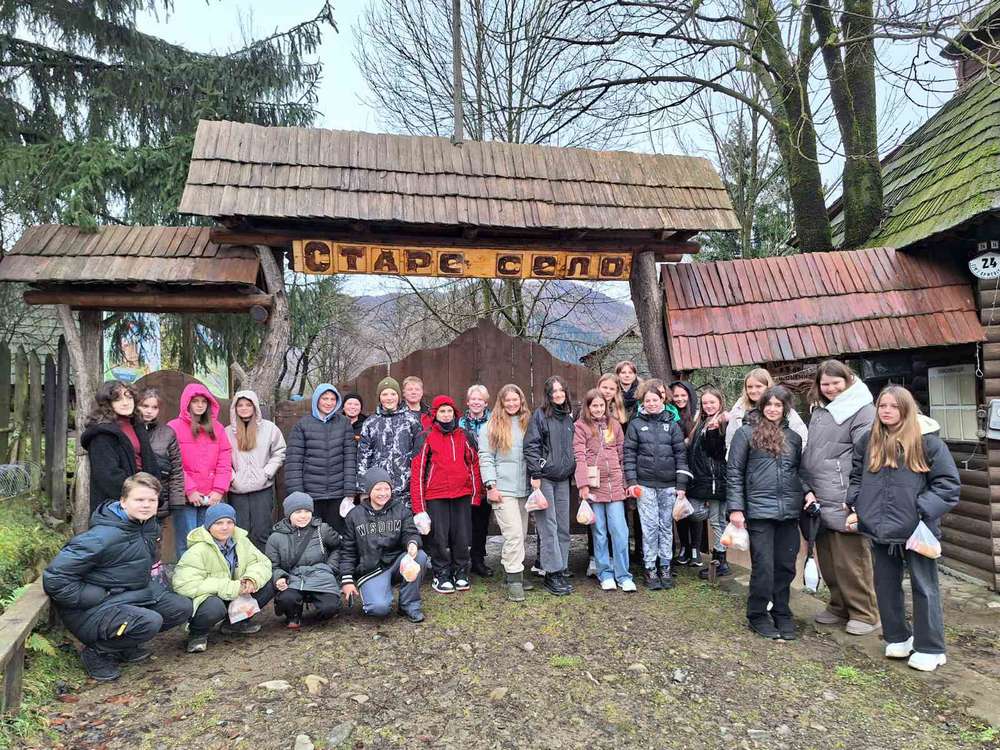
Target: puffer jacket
(314, 571)
(202, 571)
(763, 486)
(112, 461)
(740, 415)
(163, 441)
(892, 502)
(592, 449)
(321, 459)
(445, 467)
(707, 462)
(207, 463)
(548, 445)
(834, 430)
(507, 470)
(374, 539)
(654, 453)
(387, 441)
(254, 470)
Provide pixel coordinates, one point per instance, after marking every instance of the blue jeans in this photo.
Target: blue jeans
(185, 520)
(610, 518)
(376, 593)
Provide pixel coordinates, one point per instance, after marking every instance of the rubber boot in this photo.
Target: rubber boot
(515, 587)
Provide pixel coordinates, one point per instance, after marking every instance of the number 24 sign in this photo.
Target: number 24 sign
(985, 266)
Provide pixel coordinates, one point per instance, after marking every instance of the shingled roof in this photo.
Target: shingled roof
(53, 253)
(241, 170)
(814, 305)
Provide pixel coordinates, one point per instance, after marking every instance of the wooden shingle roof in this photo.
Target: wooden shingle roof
(814, 305)
(241, 170)
(53, 253)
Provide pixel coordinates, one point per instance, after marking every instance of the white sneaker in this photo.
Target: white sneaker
(628, 586)
(591, 569)
(926, 662)
(537, 571)
(443, 587)
(608, 584)
(899, 650)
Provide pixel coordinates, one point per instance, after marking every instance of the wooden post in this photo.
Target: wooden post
(35, 407)
(16, 625)
(49, 393)
(647, 298)
(56, 450)
(4, 400)
(263, 376)
(19, 419)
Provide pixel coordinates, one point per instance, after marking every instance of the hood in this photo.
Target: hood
(320, 390)
(250, 396)
(200, 534)
(850, 402)
(477, 421)
(111, 514)
(663, 416)
(691, 392)
(197, 389)
(928, 426)
(99, 428)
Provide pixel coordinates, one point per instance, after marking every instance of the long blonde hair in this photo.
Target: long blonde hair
(498, 431)
(884, 446)
(616, 406)
(246, 430)
(761, 376)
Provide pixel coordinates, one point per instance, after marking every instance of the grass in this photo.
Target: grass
(565, 662)
(26, 545)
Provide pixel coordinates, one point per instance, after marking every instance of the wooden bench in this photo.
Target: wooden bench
(16, 625)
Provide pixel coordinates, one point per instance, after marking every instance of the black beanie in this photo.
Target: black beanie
(348, 396)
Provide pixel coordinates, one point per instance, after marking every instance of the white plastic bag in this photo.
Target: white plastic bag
(682, 509)
(734, 538)
(923, 542)
(810, 575)
(242, 608)
(423, 523)
(346, 506)
(536, 501)
(409, 569)
(585, 514)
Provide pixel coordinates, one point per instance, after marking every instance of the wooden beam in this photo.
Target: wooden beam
(190, 302)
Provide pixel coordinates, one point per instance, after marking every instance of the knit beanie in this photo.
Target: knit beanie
(349, 396)
(218, 512)
(440, 401)
(297, 501)
(373, 476)
(390, 383)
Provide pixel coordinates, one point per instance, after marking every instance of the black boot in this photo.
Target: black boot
(666, 579)
(721, 570)
(764, 627)
(564, 579)
(554, 585)
(481, 569)
(653, 580)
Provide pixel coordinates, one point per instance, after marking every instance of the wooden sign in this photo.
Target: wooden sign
(326, 257)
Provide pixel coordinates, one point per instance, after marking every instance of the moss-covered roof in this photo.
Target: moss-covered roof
(945, 173)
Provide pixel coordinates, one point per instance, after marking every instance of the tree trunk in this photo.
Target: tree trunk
(647, 297)
(263, 376)
(186, 364)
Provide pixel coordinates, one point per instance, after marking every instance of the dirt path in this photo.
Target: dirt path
(673, 669)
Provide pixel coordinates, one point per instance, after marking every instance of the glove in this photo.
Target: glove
(346, 505)
(423, 523)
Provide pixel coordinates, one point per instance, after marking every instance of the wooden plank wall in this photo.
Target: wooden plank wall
(980, 537)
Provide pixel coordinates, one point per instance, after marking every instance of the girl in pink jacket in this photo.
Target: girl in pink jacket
(206, 458)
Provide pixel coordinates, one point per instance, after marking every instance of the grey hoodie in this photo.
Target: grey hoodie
(254, 470)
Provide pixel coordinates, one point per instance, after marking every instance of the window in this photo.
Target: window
(953, 401)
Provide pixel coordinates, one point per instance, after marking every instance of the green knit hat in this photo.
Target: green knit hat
(390, 383)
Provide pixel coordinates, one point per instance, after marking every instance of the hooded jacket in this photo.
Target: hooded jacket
(207, 463)
(654, 454)
(321, 459)
(374, 539)
(388, 439)
(112, 461)
(254, 470)
(739, 413)
(763, 486)
(445, 465)
(891, 502)
(707, 462)
(314, 570)
(202, 571)
(548, 445)
(472, 425)
(508, 470)
(827, 458)
(163, 441)
(592, 449)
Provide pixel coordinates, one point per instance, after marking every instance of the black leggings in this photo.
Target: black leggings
(214, 610)
(289, 603)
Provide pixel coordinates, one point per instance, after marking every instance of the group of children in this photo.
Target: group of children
(373, 501)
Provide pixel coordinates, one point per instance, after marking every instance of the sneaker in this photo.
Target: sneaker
(826, 617)
(666, 578)
(653, 582)
(682, 558)
(537, 571)
(554, 585)
(927, 662)
(592, 568)
(294, 622)
(443, 587)
(100, 667)
(564, 576)
(133, 655)
(197, 644)
(628, 586)
(786, 628)
(608, 584)
(696, 558)
(243, 627)
(461, 584)
(899, 650)
(764, 627)
(857, 627)
(413, 615)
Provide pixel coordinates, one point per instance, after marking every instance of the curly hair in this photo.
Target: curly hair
(769, 436)
(109, 392)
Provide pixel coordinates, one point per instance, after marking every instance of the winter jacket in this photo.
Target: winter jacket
(892, 502)
(207, 463)
(707, 463)
(254, 470)
(445, 467)
(548, 445)
(202, 571)
(508, 470)
(763, 486)
(834, 430)
(387, 441)
(739, 413)
(356, 425)
(314, 570)
(654, 452)
(112, 461)
(322, 455)
(105, 565)
(472, 426)
(591, 449)
(163, 441)
(374, 539)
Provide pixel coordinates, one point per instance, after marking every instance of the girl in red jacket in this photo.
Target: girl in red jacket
(444, 485)
(205, 458)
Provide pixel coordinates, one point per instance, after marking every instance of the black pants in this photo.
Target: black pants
(451, 530)
(289, 602)
(689, 533)
(214, 610)
(254, 514)
(928, 619)
(480, 530)
(329, 511)
(774, 545)
(121, 627)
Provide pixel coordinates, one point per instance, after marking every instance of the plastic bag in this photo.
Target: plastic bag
(810, 575)
(734, 538)
(409, 568)
(585, 514)
(242, 608)
(923, 542)
(682, 509)
(423, 523)
(536, 501)
(346, 506)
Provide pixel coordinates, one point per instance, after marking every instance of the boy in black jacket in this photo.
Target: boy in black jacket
(380, 533)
